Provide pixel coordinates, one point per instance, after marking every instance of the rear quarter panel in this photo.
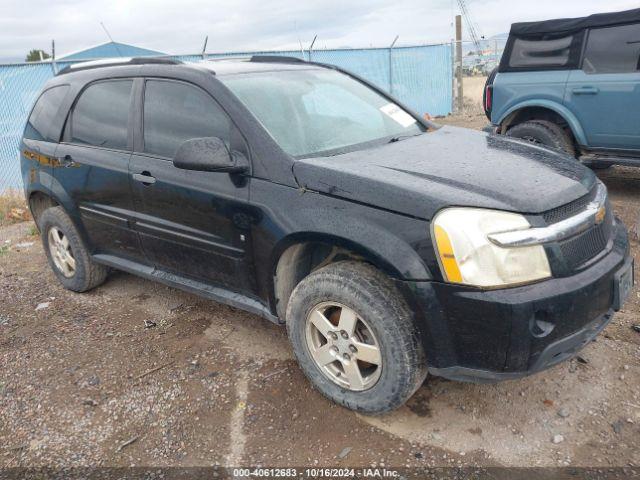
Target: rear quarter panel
(513, 88)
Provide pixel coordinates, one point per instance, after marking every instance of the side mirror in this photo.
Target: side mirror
(209, 154)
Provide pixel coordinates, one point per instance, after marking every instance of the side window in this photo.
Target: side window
(44, 113)
(101, 115)
(541, 53)
(175, 112)
(613, 50)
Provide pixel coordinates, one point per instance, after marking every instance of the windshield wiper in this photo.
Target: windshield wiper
(403, 137)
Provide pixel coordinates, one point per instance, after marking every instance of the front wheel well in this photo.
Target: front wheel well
(300, 259)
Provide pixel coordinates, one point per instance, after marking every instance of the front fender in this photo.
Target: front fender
(560, 109)
(397, 244)
(395, 255)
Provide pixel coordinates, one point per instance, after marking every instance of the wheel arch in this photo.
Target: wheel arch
(299, 254)
(39, 199)
(529, 109)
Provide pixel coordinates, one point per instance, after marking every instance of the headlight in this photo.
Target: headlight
(467, 256)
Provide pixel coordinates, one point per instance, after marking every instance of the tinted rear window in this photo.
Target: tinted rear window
(101, 115)
(540, 53)
(613, 50)
(44, 113)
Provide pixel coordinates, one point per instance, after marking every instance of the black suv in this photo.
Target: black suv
(389, 246)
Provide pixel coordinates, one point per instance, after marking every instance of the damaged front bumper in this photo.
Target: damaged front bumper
(492, 335)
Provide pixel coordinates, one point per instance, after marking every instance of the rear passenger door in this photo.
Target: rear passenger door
(192, 223)
(94, 167)
(605, 93)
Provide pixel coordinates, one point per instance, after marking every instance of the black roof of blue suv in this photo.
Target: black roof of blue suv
(568, 25)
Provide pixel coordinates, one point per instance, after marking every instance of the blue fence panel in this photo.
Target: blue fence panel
(371, 64)
(421, 77)
(19, 87)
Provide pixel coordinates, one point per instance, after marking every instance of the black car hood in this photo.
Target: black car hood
(450, 166)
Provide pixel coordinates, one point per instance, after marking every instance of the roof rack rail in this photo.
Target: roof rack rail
(113, 62)
(234, 58)
(276, 59)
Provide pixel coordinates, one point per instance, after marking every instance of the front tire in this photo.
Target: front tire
(355, 337)
(543, 132)
(68, 257)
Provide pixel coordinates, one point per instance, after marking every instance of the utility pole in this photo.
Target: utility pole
(53, 57)
(458, 70)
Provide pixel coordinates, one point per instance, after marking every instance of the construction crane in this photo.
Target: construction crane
(470, 26)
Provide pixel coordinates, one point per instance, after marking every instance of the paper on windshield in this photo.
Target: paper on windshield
(396, 113)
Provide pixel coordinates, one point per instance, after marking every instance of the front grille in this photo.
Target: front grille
(578, 250)
(570, 209)
(583, 247)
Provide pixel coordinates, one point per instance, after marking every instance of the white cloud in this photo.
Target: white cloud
(180, 26)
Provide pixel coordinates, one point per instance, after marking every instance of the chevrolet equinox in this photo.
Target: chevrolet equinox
(390, 247)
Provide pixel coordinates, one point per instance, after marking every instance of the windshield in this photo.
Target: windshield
(318, 111)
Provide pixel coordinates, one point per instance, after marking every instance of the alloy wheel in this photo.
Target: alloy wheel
(61, 252)
(343, 346)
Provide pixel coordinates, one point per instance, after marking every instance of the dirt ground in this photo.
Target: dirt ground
(83, 382)
(472, 90)
(472, 115)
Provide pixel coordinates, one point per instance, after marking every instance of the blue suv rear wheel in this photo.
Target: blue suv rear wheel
(545, 133)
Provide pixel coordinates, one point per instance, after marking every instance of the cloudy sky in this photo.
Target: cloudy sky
(179, 26)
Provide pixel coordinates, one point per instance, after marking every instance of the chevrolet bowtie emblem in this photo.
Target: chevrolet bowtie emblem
(600, 214)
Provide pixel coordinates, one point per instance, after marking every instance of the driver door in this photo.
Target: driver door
(191, 223)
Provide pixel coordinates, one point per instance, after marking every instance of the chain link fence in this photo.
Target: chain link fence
(420, 76)
(475, 64)
(481, 58)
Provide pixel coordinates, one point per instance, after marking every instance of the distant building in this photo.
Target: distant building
(108, 50)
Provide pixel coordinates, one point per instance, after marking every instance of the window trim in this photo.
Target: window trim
(141, 152)
(67, 136)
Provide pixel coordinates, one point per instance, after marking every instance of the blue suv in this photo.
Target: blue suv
(574, 85)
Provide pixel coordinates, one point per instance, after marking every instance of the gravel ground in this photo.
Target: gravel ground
(85, 383)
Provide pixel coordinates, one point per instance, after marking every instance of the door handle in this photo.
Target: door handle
(585, 90)
(145, 178)
(66, 161)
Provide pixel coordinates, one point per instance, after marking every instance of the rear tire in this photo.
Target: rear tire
(396, 366)
(67, 253)
(545, 133)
